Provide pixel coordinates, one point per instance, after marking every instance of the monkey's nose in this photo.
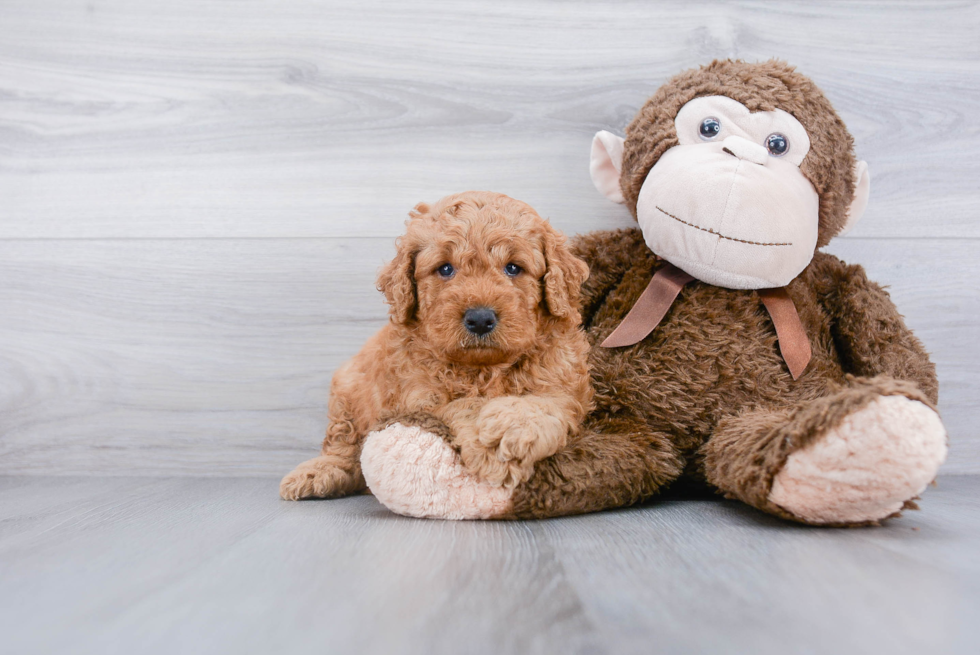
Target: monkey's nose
(745, 149)
(480, 320)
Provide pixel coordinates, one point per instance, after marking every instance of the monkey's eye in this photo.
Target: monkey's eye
(777, 145)
(446, 270)
(709, 129)
(512, 269)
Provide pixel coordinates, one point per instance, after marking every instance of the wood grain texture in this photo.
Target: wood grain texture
(213, 357)
(195, 197)
(167, 356)
(191, 119)
(178, 565)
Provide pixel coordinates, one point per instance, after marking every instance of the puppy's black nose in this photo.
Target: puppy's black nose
(480, 320)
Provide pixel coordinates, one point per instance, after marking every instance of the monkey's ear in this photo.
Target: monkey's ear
(397, 282)
(862, 188)
(606, 164)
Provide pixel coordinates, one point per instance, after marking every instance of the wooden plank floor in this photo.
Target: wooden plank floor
(185, 565)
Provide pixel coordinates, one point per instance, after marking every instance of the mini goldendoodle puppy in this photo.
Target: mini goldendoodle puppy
(483, 339)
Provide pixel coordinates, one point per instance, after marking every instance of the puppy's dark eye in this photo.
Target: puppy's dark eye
(512, 269)
(446, 270)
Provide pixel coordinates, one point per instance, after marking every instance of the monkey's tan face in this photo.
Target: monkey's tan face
(729, 203)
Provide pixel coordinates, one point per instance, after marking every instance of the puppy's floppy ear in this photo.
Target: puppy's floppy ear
(397, 282)
(563, 278)
(397, 278)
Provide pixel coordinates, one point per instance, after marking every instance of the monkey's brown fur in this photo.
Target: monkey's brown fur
(509, 398)
(707, 396)
(708, 393)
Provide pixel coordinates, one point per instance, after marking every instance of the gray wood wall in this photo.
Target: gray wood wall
(195, 196)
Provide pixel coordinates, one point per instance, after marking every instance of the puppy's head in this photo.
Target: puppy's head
(481, 278)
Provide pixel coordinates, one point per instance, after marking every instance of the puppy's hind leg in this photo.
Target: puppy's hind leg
(336, 472)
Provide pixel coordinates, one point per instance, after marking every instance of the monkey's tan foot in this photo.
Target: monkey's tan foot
(416, 473)
(866, 468)
(326, 476)
(512, 435)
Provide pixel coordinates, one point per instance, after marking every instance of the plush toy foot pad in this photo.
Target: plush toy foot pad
(867, 467)
(415, 473)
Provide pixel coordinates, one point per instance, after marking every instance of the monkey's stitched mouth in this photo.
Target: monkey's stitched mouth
(718, 234)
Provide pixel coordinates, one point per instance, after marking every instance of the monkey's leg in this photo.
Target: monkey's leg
(612, 462)
(412, 469)
(854, 457)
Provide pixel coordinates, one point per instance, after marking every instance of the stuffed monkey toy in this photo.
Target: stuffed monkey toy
(727, 350)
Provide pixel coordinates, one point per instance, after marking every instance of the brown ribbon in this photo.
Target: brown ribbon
(793, 343)
(650, 307)
(653, 304)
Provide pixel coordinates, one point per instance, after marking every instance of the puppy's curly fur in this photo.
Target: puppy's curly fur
(509, 398)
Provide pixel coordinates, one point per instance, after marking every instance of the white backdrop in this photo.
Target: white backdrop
(195, 196)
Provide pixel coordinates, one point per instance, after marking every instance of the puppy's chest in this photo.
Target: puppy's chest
(490, 383)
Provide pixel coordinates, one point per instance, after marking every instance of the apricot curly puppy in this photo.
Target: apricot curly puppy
(483, 346)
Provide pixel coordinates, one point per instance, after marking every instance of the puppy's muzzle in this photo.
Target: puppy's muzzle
(480, 320)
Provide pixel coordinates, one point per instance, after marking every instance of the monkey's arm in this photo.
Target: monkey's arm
(609, 254)
(870, 334)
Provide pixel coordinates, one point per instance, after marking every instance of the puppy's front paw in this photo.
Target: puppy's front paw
(512, 435)
(320, 477)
